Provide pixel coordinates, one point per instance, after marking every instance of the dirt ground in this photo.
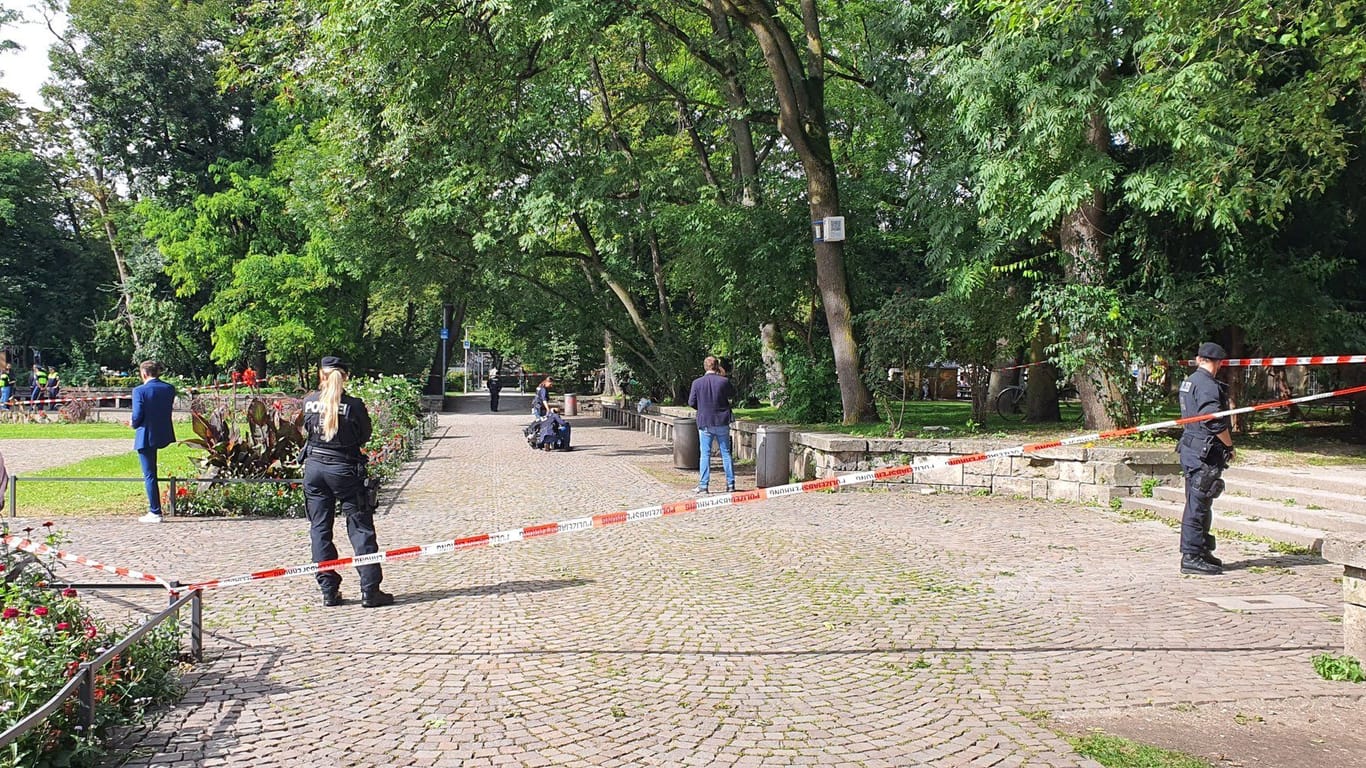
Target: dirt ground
(1289, 733)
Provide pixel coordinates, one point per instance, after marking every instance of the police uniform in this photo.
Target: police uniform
(334, 473)
(1203, 459)
(6, 389)
(39, 385)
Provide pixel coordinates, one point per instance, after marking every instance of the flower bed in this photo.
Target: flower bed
(44, 637)
(268, 441)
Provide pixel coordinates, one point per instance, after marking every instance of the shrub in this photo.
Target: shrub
(394, 403)
(812, 394)
(44, 636)
(266, 445)
(240, 499)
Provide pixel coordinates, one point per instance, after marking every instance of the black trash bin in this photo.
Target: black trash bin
(686, 445)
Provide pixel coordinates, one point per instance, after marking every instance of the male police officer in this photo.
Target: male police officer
(1205, 448)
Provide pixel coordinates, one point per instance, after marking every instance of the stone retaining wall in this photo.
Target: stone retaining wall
(1098, 473)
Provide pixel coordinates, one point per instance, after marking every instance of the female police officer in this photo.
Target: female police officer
(338, 426)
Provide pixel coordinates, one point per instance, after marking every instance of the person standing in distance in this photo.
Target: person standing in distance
(1205, 448)
(152, 401)
(540, 404)
(711, 395)
(338, 427)
(6, 387)
(495, 386)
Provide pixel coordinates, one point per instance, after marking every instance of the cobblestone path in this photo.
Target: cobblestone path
(858, 628)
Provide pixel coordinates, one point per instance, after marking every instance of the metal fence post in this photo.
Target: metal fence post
(197, 626)
(170, 498)
(87, 696)
(13, 496)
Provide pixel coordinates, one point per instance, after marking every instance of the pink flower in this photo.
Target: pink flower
(40, 610)
(68, 592)
(10, 613)
(62, 626)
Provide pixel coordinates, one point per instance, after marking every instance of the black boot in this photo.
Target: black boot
(375, 598)
(1199, 566)
(332, 597)
(1210, 544)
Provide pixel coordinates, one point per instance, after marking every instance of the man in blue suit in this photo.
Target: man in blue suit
(152, 403)
(712, 394)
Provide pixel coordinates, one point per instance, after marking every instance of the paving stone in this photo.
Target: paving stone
(837, 629)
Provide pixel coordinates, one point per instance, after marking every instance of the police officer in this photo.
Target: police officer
(338, 426)
(39, 377)
(1205, 448)
(6, 387)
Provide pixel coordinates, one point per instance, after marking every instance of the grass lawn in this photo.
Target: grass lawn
(38, 499)
(1115, 752)
(85, 431)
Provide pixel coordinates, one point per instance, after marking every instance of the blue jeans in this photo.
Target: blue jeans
(721, 435)
(5, 394)
(148, 458)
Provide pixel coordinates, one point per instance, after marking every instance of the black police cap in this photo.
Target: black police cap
(1211, 351)
(332, 361)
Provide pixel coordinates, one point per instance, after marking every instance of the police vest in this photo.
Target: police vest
(42, 378)
(4, 379)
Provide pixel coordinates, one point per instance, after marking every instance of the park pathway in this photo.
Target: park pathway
(858, 628)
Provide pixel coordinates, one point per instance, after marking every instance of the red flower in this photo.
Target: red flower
(40, 610)
(10, 613)
(48, 524)
(179, 492)
(68, 592)
(62, 626)
(2, 567)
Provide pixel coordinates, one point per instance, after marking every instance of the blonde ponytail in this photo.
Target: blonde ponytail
(329, 397)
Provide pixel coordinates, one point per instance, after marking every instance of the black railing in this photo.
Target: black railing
(172, 482)
(82, 684)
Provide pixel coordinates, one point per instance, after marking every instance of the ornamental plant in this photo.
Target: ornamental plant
(262, 440)
(45, 634)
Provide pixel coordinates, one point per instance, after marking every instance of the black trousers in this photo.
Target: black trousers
(325, 486)
(493, 400)
(1201, 482)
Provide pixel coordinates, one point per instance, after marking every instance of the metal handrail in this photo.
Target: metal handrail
(173, 482)
(83, 682)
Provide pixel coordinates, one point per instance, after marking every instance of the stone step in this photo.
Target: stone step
(1302, 536)
(1272, 508)
(1354, 503)
(1349, 480)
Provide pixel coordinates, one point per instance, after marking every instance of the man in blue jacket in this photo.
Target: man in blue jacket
(711, 395)
(152, 403)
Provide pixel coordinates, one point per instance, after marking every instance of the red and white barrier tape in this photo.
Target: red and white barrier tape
(38, 548)
(1271, 362)
(54, 401)
(713, 502)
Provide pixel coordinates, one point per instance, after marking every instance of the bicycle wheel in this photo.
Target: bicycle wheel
(1010, 402)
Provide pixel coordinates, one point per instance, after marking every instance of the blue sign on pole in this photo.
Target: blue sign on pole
(445, 333)
(467, 343)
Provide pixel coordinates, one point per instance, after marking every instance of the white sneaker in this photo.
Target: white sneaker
(150, 517)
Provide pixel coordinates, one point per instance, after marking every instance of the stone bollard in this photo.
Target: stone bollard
(1349, 549)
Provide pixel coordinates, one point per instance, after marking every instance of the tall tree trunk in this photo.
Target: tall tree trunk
(1104, 402)
(101, 196)
(610, 386)
(800, 92)
(1041, 399)
(770, 344)
(745, 163)
(1239, 423)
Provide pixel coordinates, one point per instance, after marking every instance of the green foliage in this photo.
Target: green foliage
(394, 403)
(1343, 668)
(811, 393)
(240, 499)
(262, 440)
(1116, 752)
(44, 636)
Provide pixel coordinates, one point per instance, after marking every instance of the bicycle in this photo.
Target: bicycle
(1010, 400)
